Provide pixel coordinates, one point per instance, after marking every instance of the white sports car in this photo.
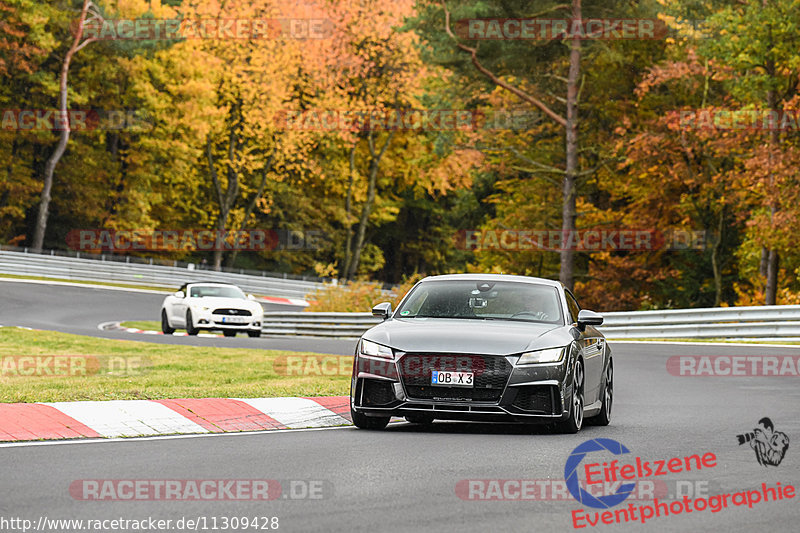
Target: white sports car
(211, 305)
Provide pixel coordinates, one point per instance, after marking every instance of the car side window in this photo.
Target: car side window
(572, 305)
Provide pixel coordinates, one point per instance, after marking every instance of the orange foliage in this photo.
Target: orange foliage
(357, 296)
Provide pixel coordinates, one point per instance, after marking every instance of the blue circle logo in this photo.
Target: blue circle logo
(571, 475)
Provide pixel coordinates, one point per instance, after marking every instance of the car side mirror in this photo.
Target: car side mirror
(251, 297)
(588, 318)
(382, 310)
(179, 294)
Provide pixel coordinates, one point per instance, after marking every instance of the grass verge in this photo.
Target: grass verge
(131, 370)
(147, 325)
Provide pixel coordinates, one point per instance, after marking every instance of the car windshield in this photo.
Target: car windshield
(200, 291)
(487, 300)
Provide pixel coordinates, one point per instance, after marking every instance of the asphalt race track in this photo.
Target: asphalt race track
(405, 477)
(79, 309)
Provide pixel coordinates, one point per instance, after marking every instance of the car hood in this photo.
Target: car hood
(491, 337)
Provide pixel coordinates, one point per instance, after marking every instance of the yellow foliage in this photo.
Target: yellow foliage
(357, 296)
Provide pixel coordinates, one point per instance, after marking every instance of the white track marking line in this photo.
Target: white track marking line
(128, 418)
(296, 412)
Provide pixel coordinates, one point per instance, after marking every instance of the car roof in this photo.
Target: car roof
(496, 277)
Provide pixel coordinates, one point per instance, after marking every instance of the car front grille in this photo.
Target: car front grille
(491, 375)
(537, 398)
(232, 312)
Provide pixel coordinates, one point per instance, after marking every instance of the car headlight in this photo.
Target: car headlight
(551, 355)
(374, 349)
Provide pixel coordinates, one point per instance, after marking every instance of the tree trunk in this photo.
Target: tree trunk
(566, 274)
(569, 123)
(771, 289)
(374, 164)
(715, 266)
(348, 207)
(227, 198)
(50, 167)
(771, 293)
(252, 205)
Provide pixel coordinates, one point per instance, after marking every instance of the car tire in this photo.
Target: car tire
(603, 418)
(575, 421)
(254, 333)
(165, 327)
(190, 329)
(369, 422)
(229, 332)
(420, 419)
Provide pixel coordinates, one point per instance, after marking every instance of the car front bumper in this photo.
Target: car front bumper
(208, 320)
(503, 393)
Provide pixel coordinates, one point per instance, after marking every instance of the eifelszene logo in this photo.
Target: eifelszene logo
(571, 474)
(617, 473)
(770, 445)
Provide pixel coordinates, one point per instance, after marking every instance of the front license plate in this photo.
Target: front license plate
(452, 379)
(233, 320)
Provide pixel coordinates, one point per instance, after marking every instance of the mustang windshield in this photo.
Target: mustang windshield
(216, 292)
(488, 300)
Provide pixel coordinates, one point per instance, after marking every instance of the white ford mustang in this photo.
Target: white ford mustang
(218, 306)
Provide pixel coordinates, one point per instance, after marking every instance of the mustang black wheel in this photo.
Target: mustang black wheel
(254, 333)
(190, 329)
(575, 421)
(165, 327)
(229, 332)
(369, 422)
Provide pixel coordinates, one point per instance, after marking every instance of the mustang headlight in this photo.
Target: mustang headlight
(551, 355)
(374, 349)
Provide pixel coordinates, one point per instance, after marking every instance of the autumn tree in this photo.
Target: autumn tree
(758, 39)
(87, 14)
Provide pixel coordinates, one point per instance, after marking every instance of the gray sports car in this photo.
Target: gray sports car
(484, 347)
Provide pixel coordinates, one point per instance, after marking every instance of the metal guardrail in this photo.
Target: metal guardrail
(718, 322)
(338, 325)
(150, 275)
